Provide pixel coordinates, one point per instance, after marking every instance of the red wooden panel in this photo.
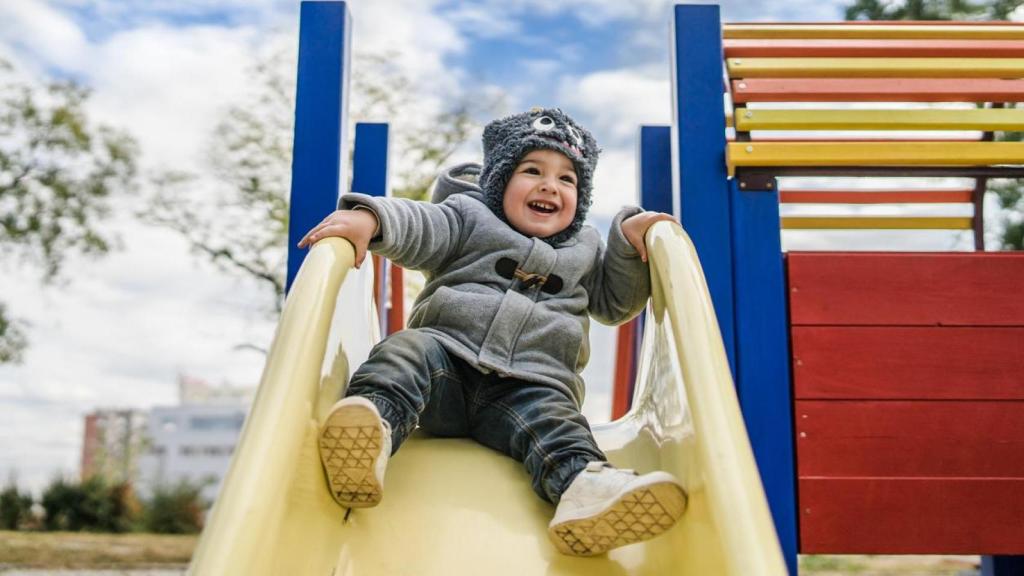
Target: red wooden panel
(910, 439)
(937, 363)
(781, 48)
(951, 289)
(877, 90)
(911, 516)
(875, 196)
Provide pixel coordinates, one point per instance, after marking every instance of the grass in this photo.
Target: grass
(83, 550)
(869, 565)
(86, 550)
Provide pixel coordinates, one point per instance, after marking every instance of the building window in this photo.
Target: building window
(231, 422)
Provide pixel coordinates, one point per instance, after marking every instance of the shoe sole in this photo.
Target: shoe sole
(637, 515)
(350, 442)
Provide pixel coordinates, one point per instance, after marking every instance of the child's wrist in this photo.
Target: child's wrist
(375, 226)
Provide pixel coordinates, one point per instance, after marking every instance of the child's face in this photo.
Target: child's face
(540, 198)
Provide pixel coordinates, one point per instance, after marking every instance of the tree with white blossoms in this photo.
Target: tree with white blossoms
(241, 224)
(59, 173)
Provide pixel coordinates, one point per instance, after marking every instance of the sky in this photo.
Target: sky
(122, 329)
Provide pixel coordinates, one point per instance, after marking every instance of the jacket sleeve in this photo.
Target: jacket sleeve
(619, 283)
(414, 235)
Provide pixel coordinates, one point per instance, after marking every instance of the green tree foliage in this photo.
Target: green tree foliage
(176, 509)
(244, 226)
(15, 507)
(93, 505)
(1008, 192)
(58, 175)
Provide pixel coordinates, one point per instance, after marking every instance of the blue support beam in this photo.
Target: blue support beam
(370, 176)
(1002, 565)
(698, 153)
(320, 158)
(762, 344)
(655, 173)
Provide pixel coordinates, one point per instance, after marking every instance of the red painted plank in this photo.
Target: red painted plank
(875, 196)
(852, 48)
(911, 289)
(877, 90)
(911, 516)
(625, 362)
(910, 439)
(937, 363)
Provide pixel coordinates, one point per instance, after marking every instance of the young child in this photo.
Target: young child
(498, 337)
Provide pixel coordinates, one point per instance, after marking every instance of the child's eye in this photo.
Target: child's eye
(569, 179)
(531, 170)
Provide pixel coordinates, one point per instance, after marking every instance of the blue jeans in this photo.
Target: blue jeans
(413, 380)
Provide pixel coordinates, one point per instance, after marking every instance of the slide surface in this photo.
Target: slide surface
(452, 507)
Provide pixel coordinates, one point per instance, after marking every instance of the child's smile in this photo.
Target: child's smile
(540, 198)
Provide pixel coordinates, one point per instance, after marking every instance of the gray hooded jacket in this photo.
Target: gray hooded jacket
(483, 314)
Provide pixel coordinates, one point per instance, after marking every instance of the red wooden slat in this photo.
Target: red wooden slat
(948, 363)
(782, 48)
(624, 368)
(874, 196)
(911, 516)
(854, 48)
(877, 90)
(873, 438)
(911, 289)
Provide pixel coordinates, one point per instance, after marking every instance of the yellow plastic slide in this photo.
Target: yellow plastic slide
(452, 507)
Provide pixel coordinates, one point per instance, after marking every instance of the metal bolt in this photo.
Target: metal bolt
(750, 148)
(748, 114)
(768, 185)
(737, 61)
(743, 184)
(803, 434)
(742, 84)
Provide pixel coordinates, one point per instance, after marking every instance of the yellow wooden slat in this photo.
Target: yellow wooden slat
(873, 154)
(890, 31)
(933, 119)
(874, 223)
(875, 67)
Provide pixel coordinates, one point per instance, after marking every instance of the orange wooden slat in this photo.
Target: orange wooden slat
(875, 196)
(735, 48)
(877, 90)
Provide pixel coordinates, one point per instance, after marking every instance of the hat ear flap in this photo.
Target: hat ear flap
(494, 134)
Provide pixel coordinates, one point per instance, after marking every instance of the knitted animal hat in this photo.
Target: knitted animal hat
(508, 139)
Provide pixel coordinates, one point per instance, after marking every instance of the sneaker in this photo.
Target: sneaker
(605, 508)
(355, 444)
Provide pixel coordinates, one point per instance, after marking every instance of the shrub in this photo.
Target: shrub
(176, 509)
(93, 505)
(15, 507)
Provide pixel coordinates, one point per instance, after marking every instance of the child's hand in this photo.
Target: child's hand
(356, 226)
(635, 227)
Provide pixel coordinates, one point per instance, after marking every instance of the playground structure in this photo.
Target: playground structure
(898, 431)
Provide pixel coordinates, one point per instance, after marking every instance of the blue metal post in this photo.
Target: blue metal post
(655, 171)
(762, 344)
(1002, 565)
(737, 238)
(370, 176)
(698, 153)
(320, 158)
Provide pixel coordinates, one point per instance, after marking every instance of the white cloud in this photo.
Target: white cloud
(47, 36)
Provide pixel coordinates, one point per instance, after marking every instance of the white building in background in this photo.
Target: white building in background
(194, 440)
